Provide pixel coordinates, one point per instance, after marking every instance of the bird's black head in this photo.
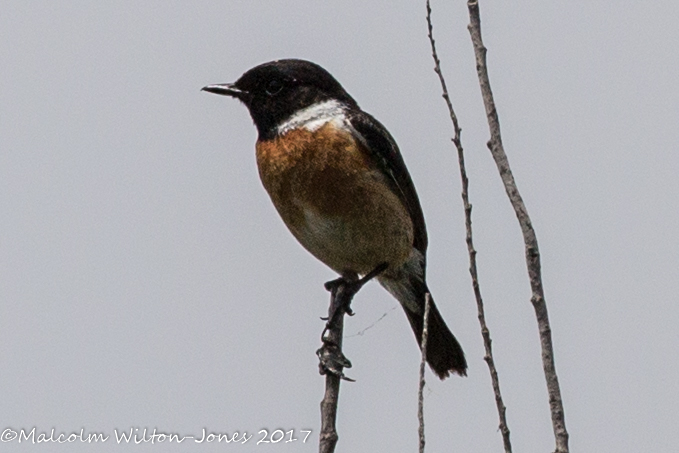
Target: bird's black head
(274, 91)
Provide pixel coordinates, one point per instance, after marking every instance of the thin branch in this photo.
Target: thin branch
(333, 374)
(529, 237)
(485, 332)
(420, 393)
(332, 360)
(328, 438)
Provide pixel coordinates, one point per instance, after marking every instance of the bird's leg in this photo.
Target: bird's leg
(342, 291)
(347, 286)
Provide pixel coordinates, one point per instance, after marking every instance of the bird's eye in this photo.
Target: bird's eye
(274, 87)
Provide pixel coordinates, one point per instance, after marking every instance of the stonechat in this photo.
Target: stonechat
(337, 178)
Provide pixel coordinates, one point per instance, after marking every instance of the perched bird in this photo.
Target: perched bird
(338, 180)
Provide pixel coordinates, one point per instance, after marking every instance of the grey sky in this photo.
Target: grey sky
(147, 281)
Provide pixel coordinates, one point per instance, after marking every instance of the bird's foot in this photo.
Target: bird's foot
(343, 290)
(332, 360)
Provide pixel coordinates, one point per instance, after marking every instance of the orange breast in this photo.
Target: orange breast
(331, 198)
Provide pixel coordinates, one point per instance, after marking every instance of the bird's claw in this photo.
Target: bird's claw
(333, 361)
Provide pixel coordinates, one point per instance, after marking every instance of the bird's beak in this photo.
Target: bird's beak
(225, 89)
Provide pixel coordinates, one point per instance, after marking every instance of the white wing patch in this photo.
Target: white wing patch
(315, 116)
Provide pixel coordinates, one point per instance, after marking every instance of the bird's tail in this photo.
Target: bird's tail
(444, 353)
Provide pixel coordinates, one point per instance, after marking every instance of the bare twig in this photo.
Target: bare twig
(529, 237)
(485, 332)
(420, 393)
(328, 438)
(332, 360)
(332, 364)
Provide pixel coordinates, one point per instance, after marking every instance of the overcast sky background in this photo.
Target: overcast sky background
(147, 281)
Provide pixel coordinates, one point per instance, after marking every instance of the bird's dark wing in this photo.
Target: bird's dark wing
(385, 152)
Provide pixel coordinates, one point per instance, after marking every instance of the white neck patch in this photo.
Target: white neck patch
(315, 116)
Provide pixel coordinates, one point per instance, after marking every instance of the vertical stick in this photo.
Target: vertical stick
(328, 438)
(332, 360)
(485, 332)
(420, 393)
(529, 237)
(333, 339)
